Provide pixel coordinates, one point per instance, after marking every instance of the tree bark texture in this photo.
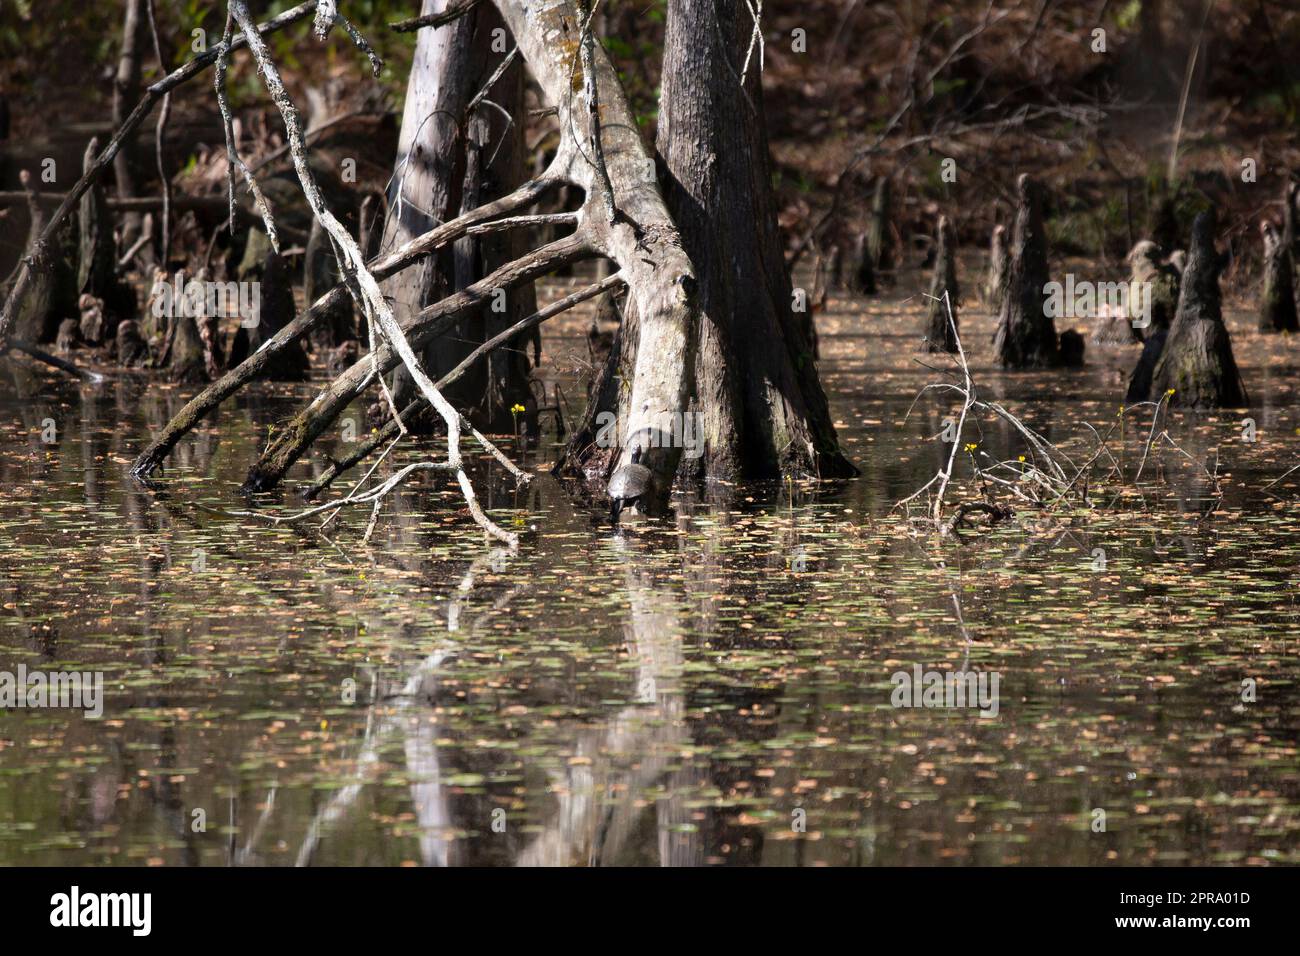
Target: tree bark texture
(762, 409)
(447, 164)
(1026, 334)
(1197, 364)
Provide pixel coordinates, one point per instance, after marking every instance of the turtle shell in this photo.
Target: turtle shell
(630, 481)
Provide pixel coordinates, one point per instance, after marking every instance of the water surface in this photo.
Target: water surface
(710, 689)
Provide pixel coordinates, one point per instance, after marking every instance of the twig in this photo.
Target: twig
(233, 159)
(453, 12)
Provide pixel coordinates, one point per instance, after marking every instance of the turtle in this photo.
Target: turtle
(628, 486)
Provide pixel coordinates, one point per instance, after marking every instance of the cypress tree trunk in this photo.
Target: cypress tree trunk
(30, 324)
(1026, 335)
(320, 274)
(187, 365)
(448, 163)
(762, 406)
(52, 292)
(941, 328)
(1277, 311)
(1290, 197)
(275, 311)
(1197, 363)
(874, 248)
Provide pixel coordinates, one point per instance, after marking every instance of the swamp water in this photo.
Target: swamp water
(711, 689)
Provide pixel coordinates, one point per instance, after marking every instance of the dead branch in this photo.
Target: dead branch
(453, 12)
(367, 291)
(390, 430)
(382, 267)
(430, 322)
(159, 132)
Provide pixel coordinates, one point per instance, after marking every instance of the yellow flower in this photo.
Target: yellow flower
(971, 446)
(1022, 457)
(516, 409)
(1168, 393)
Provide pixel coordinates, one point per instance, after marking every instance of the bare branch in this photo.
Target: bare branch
(390, 429)
(370, 297)
(382, 267)
(453, 12)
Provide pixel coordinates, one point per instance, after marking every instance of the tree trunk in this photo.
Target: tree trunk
(1277, 310)
(1026, 335)
(864, 274)
(1290, 198)
(33, 314)
(875, 244)
(495, 165)
(1197, 367)
(449, 163)
(623, 218)
(761, 406)
(126, 90)
(941, 324)
(275, 311)
(187, 365)
(97, 265)
(320, 274)
(52, 292)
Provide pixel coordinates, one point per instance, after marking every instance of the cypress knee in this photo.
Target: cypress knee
(1197, 363)
(941, 323)
(132, 352)
(1277, 304)
(1026, 334)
